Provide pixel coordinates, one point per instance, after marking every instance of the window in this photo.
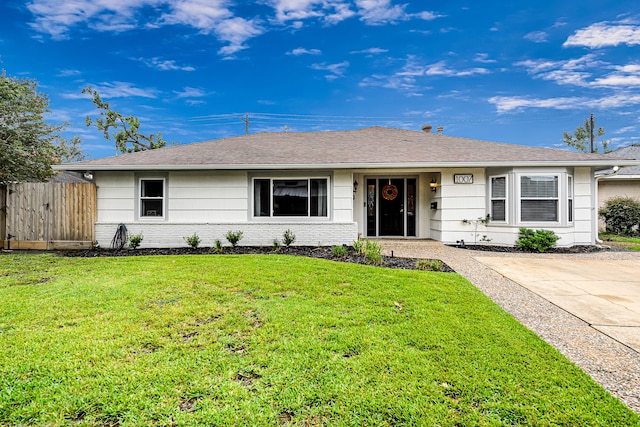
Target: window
(498, 198)
(570, 198)
(151, 198)
(539, 198)
(303, 197)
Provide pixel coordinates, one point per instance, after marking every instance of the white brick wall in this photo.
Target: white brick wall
(168, 235)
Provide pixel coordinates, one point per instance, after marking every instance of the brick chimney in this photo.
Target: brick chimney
(427, 128)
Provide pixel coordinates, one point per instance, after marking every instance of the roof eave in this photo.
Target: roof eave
(473, 164)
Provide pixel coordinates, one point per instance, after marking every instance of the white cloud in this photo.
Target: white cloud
(335, 70)
(302, 51)
(509, 103)
(164, 64)
(625, 76)
(440, 69)
(371, 51)
(537, 36)
(377, 12)
(576, 72)
(604, 34)
(236, 31)
(190, 92)
(483, 58)
(57, 17)
(116, 90)
(69, 73)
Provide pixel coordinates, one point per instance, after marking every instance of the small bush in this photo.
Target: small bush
(193, 240)
(358, 246)
(536, 241)
(275, 245)
(234, 237)
(621, 216)
(429, 265)
(339, 251)
(135, 240)
(288, 238)
(373, 258)
(217, 247)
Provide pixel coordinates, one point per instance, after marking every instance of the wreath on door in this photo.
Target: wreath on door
(389, 192)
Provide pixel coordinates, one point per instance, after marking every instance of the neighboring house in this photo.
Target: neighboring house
(623, 183)
(331, 187)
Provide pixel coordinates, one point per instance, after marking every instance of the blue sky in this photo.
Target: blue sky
(520, 72)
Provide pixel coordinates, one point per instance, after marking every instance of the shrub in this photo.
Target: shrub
(135, 240)
(339, 251)
(193, 240)
(234, 237)
(358, 246)
(217, 247)
(536, 241)
(621, 216)
(276, 245)
(429, 265)
(288, 238)
(373, 252)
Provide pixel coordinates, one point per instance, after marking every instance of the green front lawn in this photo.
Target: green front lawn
(271, 340)
(632, 243)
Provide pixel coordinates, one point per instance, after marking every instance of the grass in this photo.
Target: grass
(272, 340)
(632, 243)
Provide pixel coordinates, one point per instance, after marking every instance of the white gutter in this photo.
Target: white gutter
(83, 166)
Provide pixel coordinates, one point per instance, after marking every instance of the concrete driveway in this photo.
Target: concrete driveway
(603, 293)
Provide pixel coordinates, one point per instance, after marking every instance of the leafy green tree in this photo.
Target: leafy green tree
(126, 134)
(28, 146)
(71, 150)
(581, 138)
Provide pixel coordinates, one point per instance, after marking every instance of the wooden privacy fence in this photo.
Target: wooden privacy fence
(47, 215)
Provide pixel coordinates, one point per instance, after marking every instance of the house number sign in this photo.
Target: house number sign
(463, 178)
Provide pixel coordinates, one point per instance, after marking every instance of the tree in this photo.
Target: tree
(126, 133)
(581, 138)
(70, 150)
(27, 143)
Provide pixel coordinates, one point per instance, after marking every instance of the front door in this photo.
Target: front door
(391, 207)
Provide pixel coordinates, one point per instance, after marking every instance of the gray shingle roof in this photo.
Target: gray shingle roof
(373, 147)
(631, 152)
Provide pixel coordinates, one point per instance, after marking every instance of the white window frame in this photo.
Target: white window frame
(570, 199)
(505, 198)
(307, 217)
(162, 215)
(557, 198)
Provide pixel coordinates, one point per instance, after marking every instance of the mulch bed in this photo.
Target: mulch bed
(578, 249)
(307, 251)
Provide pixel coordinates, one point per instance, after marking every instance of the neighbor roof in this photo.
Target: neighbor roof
(631, 152)
(374, 147)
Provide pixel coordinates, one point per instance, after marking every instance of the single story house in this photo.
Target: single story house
(332, 187)
(624, 182)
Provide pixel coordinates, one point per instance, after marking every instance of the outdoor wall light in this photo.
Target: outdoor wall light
(433, 185)
(355, 189)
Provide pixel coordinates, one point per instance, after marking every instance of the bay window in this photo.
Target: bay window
(295, 197)
(539, 198)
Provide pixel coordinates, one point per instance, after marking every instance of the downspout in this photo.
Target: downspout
(616, 169)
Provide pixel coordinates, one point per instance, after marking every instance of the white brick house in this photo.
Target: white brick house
(331, 187)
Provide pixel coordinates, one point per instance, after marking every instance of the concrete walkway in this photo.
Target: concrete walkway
(585, 305)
